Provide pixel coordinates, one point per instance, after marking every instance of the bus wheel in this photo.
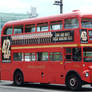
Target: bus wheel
(73, 82)
(18, 78)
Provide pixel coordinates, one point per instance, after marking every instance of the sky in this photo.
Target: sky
(44, 7)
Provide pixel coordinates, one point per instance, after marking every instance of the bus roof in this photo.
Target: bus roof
(55, 17)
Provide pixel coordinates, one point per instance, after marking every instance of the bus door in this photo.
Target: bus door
(73, 58)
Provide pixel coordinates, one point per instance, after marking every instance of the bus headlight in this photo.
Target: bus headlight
(86, 74)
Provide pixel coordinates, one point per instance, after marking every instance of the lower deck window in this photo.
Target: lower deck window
(17, 56)
(29, 56)
(55, 56)
(39, 56)
(42, 56)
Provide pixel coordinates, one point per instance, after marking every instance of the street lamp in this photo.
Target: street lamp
(60, 3)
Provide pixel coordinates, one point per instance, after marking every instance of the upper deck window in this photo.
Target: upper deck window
(56, 25)
(18, 29)
(42, 27)
(86, 23)
(71, 23)
(8, 31)
(30, 28)
(90, 34)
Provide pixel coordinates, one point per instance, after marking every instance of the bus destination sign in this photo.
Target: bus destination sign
(63, 36)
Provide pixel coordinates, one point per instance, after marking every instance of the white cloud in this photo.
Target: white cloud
(82, 5)
(44, 7)
(87, 1)
(13, 6)
(86, 8)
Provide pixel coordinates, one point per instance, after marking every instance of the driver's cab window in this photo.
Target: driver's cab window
(87, 54)
(68, 54)
(72, 54)
(8, 31)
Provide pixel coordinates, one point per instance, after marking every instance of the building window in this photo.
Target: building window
(42, 56)
(8, 31)
(55, 56)
(29, 57)
(18, 57)
(56, 25)
(29, 28)
(42, 27)
(18, 29)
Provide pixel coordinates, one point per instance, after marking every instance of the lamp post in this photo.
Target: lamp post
(59, 3)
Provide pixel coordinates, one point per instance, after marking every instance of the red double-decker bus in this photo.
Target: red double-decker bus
(52, 50)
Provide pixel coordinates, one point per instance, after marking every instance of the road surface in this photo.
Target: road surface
(7, 86)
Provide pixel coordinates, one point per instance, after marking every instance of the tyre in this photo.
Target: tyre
(73, 82)
(18, 78)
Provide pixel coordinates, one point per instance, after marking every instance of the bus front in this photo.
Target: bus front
(86, 44)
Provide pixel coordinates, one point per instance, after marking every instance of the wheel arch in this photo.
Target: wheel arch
(17, 71)
(18, 81)
(77, 82)
(72, 72)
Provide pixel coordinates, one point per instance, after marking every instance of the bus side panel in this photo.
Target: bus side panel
(44, 72)
(5, 71)
(6, 63)
(56, 72)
